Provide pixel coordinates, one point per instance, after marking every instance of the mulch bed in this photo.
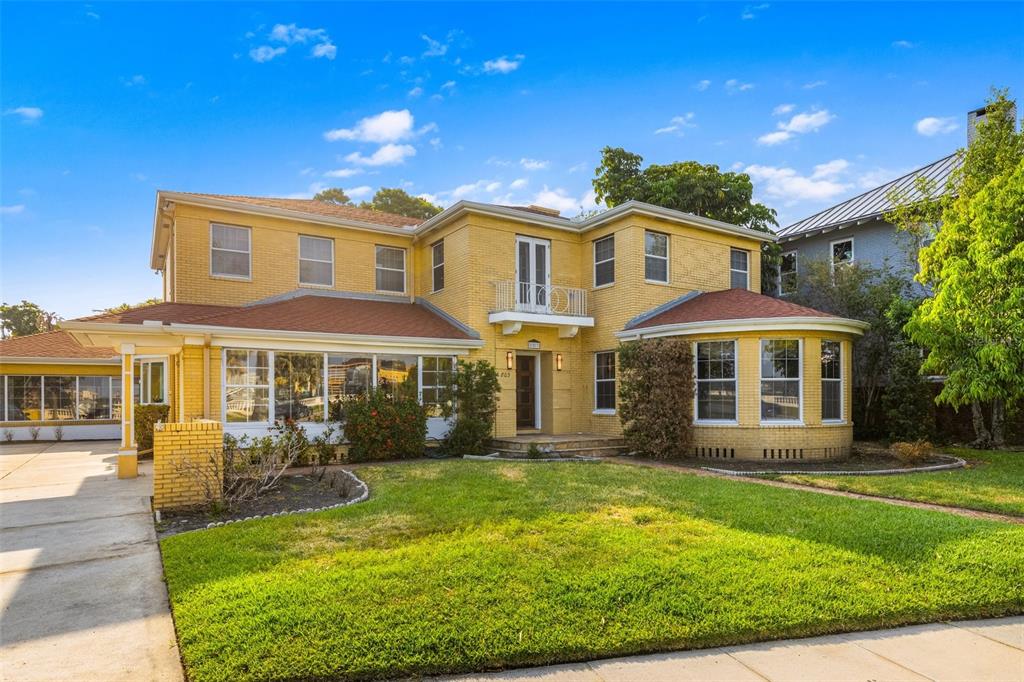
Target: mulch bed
(292, 493)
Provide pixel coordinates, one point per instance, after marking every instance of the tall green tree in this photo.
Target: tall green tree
(693, 187)
(333, 195)
(398, 201)
(122, 307)
(973, 321)
(22, 319)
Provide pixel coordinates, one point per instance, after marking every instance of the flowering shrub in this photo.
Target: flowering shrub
(472, 399)
(385, 425)
(656, 396)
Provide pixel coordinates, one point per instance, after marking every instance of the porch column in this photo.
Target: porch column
(127, 455)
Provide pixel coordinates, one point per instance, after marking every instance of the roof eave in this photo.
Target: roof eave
(33, 360)
(781, 324)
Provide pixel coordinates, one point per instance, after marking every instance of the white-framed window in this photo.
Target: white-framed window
(604, 261)
(739, 269)
(655, 256)
(781, 380)
(436, 375)
(246, 386)
(299, 386)
(58, 397)
(316, 261)
(716, 381)
(390, 269)
(150, 377)
(604, 381)
(789, 273)
(831, 381)
(437, 267)
(230, 251)
(842, 253)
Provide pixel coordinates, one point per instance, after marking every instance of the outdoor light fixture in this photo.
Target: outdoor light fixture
(558, 361)
(508, 360)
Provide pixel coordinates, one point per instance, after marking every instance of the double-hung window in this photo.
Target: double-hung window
(247, 386)
(716, 381)
(604, 261)
(788, 273)
(739, 269)
(437, 377)
(437, 268)
(604, 381)
(780, 380)
(316, 261)
(230, 251)
(391, 269)
(842, 253)
(831, 381)
(655, 257)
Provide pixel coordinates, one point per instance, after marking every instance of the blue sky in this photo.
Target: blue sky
(103, 104)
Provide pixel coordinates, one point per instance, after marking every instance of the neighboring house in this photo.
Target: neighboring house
(283, 308)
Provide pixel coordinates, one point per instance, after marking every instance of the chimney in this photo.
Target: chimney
(978, 115)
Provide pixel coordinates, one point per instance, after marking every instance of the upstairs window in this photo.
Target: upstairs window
(739, 269)
(831, 381)
(390, 269)
(316, 261)
(604, 261)
(788, 273)
(842, 253)
(438, 265)
(230, 251)
(655, 257)
(780, 380)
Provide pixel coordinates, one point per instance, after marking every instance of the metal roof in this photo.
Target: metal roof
(873, 203)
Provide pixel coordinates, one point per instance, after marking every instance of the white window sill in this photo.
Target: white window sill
(310, 285)
(385, 292)
(604, 286)
(782, 422)
(604, 413)
(657, 282)
(231, 278)
(715, 422)
(833, 422)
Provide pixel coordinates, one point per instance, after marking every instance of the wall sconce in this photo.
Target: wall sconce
(558, 362)
(508, 360)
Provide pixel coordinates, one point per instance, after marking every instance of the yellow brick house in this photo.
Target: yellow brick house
(286, 308)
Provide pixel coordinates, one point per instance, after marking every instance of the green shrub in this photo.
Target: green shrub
(472, 399)
(656, 396)
(145, 417)
(385, 425)
(907, 400)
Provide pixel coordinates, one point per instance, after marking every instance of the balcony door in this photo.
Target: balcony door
(533, 274)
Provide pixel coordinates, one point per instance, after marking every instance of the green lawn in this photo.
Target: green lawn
(458, 566)
(992, 481)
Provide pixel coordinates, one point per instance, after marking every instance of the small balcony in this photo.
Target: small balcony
(546, 305)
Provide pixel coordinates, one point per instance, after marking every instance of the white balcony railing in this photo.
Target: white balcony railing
(544, 299)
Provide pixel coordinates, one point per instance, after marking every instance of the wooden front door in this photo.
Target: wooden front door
(526, 392)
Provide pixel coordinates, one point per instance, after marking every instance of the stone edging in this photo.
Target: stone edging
(497, 458)
(364, 494)
(957, 463)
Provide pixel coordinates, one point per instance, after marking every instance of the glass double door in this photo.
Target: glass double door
(533, 274)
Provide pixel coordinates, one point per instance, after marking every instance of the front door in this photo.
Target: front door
(533, 274)
(526, 392)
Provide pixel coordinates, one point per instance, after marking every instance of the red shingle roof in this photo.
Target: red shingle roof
(731, 304)
(320, 208)
(56, 344)
(161, 312)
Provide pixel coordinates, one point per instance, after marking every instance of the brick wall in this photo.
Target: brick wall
(183, 472)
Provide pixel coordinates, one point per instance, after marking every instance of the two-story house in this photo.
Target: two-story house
(284, 308)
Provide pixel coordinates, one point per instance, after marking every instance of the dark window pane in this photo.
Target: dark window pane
(24, 398)
(230, 263)
(315, 272)
(94, 397)
(738, 280)
(298, 386)
(604, 273)
(831, 400)
(59, 397)
(604, 249)
(656, 269)
(780, 399)
(390, 280)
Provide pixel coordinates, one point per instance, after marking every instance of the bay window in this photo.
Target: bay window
(831, 381)
(716, 381)
(780, 380)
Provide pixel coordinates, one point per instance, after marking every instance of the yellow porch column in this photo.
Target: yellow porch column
(127, 455)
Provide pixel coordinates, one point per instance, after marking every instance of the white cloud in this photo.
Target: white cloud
(388, 155)
(933, 125)
(27, 114)
(558, 198)
(519, 183)
(435, 48)
(387, 126)
(325, 50)
(905, 44)
(435, 142)
(830, 169)
(814, 84)
(448, 85)
(343, 173)
(778, 137)
(289, 34)
(702, 85)
(798, 125)
(533, 164)
(493, 186)
(783, 109)
(749, 12)
(503, 64)
(416, 92)
(677, 124)
(733, 85)
(879, 176)
(359, 192)
(495, 161)
(12, 210)
(472, 190)
(582, 165)
(264, 53)
(137, 79)
(790, 187)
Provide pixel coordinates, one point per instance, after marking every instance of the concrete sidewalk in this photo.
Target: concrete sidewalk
(81, 583)
(969, 651)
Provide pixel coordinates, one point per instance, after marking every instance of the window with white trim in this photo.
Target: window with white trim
(780, 380)
(739, 269)
(842, 253)
(655, 256)
(316, 261)
(716, 381)
(230, 251)
(59, 397)
(246, 386)
(831, 381)
(437, 372)
(150, 388)
(604, 261)
(391, 269)
(299, 386)
(604, 381)
(789, 269)
(56, 398)
(437, 269)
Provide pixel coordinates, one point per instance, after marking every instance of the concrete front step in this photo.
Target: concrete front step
(609, 451)
(557, 445)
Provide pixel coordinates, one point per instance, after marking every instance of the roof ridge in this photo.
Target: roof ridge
(396, 216)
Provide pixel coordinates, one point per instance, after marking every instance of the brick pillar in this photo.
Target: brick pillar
(187, 464)
(127, 454)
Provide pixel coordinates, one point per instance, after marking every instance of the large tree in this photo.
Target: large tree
(22, 319)
(398, 201)
(693, 187)
(973, 321)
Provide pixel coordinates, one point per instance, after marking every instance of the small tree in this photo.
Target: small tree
(656, 396)
(25, 318)
(473, 401)
(333, 195)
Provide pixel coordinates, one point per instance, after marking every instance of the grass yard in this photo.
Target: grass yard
(992, 481)
(457, 566)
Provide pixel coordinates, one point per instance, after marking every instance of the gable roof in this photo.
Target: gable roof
(729, 304)
(50, 346)
(873, 203)
(313, 207)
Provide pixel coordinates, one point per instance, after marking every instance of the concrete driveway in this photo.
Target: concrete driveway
(81, 584)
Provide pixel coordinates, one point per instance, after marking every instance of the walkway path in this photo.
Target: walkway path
(81, 585)
(974, 651)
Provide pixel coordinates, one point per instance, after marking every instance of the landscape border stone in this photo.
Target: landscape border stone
(956, 463)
